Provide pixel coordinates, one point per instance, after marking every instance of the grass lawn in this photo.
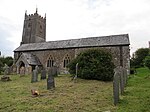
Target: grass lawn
(137, 93)
(83, 96)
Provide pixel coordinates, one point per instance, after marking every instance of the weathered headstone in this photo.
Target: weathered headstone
(125, 76)
(37, 68)
(6, 70)
(5, 78)
(34, 76)
(43, 74)
(22, 71)
(54, 71)
(121, 81)
(116, 88)
(76, 75)
(14, 69)
(119, 70)
(50, 80)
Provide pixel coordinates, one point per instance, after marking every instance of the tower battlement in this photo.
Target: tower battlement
(33, 16)
(34, 29)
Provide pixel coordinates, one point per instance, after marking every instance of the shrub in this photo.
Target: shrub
(147, 61)
(137, 60)
(93, 64)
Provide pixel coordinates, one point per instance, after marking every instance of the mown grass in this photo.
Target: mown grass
(82, 96)
(137, 93)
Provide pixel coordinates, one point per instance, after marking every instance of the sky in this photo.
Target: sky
(72, 19)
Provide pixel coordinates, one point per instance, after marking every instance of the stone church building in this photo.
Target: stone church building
(34, 50)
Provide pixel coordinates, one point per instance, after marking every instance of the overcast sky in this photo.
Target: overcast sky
(70, 19)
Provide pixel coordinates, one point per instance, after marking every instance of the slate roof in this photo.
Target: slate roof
(112, 40)
(31, 59)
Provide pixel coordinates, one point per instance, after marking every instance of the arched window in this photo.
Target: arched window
(50, 62)
(66, 60)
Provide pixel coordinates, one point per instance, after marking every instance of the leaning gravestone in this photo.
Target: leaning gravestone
(5, 78)
(34, 76)
(119, 70)
(125, 76)
(50, 80)
(121, 80)
(43, 74)
(116, 87)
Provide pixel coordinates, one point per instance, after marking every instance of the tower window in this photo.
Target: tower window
(66, 61)
(50, 62)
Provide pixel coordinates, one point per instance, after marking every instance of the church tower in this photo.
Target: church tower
(34, 29)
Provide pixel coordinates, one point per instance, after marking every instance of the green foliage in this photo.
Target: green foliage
(1, 66)
(8, 60)
(147, 61)
(136, 92)
(5, 60)
(93, 64)
(138, 59)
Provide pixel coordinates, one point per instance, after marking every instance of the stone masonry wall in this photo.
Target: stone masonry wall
(60, 54)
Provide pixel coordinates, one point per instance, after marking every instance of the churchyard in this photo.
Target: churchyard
(70, 96)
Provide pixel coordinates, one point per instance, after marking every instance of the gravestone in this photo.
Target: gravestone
(121, 81)
(50, 80)
(54, 71)
(5, 78)
(6, 70)
(125, 76)
(37, 68)
(22, 71)
(14, 69)
(43, 74)
(76, 75)
(34, 76)
(119, 70)
(116, 88)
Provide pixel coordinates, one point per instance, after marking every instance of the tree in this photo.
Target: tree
(93, 64)
(5, 60)
(1, 66)
(9, 61)
(147, 61)
(138, 59)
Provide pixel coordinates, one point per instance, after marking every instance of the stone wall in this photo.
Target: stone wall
(60, 54)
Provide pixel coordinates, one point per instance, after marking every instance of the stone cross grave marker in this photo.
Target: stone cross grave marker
(34, 76)
(50, 80)
(116, 87)
(43, 74)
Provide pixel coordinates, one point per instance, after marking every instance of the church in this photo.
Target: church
(34, 50)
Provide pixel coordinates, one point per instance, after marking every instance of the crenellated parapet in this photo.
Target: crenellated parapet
(34, 29)
(35, 16)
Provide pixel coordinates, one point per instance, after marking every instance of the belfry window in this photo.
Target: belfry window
(66, 61)
(50, 62)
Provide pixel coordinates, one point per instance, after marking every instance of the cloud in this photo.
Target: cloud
(5, 44)
(68, 19)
